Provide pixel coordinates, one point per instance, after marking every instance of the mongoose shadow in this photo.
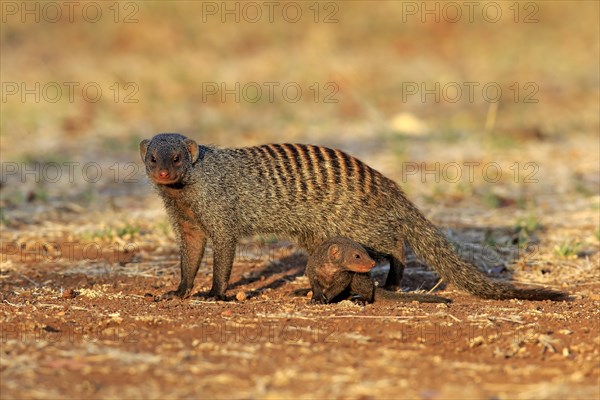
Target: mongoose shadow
(291, 266)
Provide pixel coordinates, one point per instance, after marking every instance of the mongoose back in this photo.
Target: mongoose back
(339, 267)
(310, 193)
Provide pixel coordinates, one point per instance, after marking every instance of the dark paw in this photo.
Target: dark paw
(213, 295)
(217, 298)
(359, 300)
(176, 294)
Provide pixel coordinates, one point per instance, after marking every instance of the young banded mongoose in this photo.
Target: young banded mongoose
(340, 267)
(311, 193)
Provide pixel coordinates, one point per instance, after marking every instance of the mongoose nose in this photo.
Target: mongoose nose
(163, 174)
(372, 264)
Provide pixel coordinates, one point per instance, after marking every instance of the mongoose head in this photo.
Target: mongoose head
(349, 255)
(168, 157)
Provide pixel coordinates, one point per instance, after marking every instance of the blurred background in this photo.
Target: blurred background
(408, 87)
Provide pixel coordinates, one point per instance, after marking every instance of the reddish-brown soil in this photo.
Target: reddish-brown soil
(98, 333)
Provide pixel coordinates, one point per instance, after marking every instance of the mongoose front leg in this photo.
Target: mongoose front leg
(192, 243)
(337, 287)
(224, 253)
(362, 286)
(317, 295)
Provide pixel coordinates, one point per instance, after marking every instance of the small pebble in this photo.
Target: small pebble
(241, 296)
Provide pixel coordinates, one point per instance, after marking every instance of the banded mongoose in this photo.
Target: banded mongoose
(340, 267)
(311, 193)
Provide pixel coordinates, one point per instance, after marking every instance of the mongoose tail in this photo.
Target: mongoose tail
(431, 246)
(362, 286)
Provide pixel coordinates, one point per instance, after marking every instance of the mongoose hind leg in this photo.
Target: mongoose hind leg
(394, 277)
(363, 288)
(331, 293)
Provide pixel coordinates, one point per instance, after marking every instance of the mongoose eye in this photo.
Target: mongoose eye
(152, 159)
(176, 158)
(357, 256)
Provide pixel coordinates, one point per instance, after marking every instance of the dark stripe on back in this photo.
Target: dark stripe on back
(283, 162)
(279, 170)
(314, 158)
(295, 158)
(360, 175)
(291, 155)
(349, 172)
(334, 165)
(255, 155)
(307, 172)
(375, 181)
(274, 182)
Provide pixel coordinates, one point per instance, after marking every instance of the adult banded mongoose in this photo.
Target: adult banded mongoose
(310, 193)
(340, 267)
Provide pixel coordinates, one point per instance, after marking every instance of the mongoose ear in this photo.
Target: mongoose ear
(144, 148)
(334, 253)
(193, 149)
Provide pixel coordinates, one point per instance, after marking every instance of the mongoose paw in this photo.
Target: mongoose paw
(179, 293)
(359, 300)
(214, 296)
(221, 297)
